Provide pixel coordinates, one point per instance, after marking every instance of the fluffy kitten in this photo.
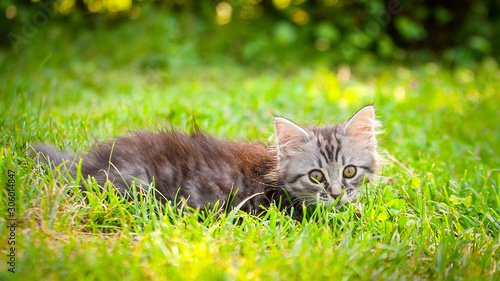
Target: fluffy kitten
(306, 165)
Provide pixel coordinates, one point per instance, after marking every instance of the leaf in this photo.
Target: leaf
(382, 213)
(415, 182)
(285, 33)
(389, 193)
(396, 205)
(410, 29)
(467, 201)
(328, 31)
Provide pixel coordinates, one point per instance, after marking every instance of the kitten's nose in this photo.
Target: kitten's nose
(335, 196)
(335, 192)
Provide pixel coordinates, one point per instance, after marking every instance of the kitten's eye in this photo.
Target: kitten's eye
(316, 176)
(349, 171)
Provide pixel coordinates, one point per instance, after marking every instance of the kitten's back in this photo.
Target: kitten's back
(197, 168)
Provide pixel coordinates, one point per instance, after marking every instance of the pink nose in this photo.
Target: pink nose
(335, 195)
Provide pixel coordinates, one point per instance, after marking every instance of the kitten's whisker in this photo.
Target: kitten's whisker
(266, 184)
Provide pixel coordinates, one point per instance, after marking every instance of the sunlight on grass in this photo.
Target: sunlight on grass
(434, 214)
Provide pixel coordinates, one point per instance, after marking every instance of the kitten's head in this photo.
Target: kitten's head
(320, 162)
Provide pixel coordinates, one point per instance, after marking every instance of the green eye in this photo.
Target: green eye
(349, 171)
(316, 176)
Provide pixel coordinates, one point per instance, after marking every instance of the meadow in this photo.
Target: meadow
(433, 215)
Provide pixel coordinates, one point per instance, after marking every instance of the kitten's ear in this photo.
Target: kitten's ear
(362, 124)
(289, 134)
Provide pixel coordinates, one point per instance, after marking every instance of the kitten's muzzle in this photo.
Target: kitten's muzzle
(335, 193)
(335, 196)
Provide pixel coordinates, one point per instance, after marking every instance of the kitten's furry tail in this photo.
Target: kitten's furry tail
(50, 156)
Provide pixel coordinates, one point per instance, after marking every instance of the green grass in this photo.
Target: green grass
(435, 214)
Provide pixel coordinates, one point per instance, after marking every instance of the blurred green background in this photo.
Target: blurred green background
(75, 72)
(265, 32)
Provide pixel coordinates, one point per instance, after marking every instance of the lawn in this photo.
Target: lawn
(433, 215)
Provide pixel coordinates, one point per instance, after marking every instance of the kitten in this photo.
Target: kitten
(306, 165)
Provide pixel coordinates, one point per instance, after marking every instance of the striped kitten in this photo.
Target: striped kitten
(306, 165)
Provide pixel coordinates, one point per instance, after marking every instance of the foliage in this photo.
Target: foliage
(338, 31)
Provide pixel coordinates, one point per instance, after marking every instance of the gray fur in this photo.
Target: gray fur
(50, 156)
(328, 149)
(203, 170)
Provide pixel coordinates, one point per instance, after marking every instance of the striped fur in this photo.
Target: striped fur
(329, 149)
(202, 170)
